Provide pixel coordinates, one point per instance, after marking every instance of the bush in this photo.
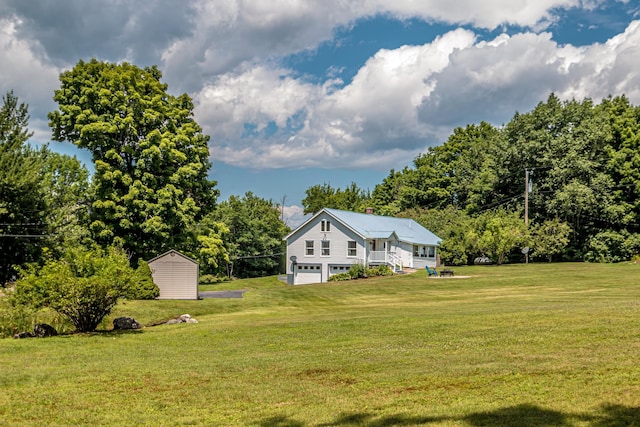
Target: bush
(84, 286)
(340, 277)
(212, 279)
(612, 246)
(14, 318)
(381, 270)
(358, 271)
(142, 286)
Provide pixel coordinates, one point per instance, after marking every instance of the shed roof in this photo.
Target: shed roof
(173, 252)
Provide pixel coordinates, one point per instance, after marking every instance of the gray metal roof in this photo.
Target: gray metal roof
(372, 226)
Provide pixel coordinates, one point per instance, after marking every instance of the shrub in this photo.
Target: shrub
(612, 246)
(14, 318)
(381, 270)
(340, 277)
(83, 286)
(358, 271)
(142, 286)
(212, 279)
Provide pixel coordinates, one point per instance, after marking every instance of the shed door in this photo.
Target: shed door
(305, 274)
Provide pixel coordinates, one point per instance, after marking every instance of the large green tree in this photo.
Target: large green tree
(22, 205)
(352, 198)
(65, 183)
(151, 157)
(254, 238)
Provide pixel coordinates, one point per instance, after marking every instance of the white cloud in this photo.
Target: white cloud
(226, 53)
(219, 31)
(25, 71)
(405, 99)
(294, 216)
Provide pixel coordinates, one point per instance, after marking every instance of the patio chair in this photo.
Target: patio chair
(431, 271)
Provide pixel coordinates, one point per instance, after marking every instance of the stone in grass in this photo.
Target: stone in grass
(185, 318)
(43, 330)
(126, 323)
(23, 335)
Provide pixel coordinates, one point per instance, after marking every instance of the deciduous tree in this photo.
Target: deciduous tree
(151, 157)
(255, 234)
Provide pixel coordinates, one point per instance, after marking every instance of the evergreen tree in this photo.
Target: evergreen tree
(22, 205)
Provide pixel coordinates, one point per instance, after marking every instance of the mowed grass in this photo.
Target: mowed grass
(515, 345)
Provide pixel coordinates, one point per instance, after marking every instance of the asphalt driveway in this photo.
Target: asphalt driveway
(221, 294)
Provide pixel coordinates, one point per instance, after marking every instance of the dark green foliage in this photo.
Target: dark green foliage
(584, 163)
(22, 204)
(613, 246)
(142, 285)
(15, 318)
(361, 271)
(211, 279)
(358, 271)
(151, 158)
(550, 238)
(351, 198)
(83, 286)
(255, 232)
(65, 183)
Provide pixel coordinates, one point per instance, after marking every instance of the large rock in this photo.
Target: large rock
(43, 330)
(23, 335)
(184, 318)
(126, 323)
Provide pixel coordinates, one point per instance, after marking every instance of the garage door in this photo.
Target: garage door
(307, 274)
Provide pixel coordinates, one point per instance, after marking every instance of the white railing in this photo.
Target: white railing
(378, 256)
(384, 257)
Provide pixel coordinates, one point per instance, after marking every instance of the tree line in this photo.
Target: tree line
(151, 192)
(583, 164)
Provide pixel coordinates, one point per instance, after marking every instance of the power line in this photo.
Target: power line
(27, 236)
(259, 256)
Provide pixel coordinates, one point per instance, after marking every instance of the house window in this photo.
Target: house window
(415, 250)
(308, 244)
(351, 248)
(325, 248)
(325, 225)
(432, 251)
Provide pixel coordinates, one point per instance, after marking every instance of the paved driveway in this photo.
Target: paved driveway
(221, 294)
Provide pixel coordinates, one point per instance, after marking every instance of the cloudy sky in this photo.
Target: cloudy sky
(301, 92)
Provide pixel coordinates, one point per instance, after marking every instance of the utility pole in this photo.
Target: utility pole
(526, 197)
(528, 188)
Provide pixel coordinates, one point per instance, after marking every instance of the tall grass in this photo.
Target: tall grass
(536, 345)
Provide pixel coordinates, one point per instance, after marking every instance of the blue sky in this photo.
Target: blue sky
(296, 93)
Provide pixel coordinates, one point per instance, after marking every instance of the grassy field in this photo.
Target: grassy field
(515, 345)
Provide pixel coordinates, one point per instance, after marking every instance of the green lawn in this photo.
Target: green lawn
(515, 345)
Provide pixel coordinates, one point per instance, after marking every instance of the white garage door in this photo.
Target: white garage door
(307, 274)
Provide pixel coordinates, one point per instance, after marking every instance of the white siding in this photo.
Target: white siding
(175, 275)
(338, 236)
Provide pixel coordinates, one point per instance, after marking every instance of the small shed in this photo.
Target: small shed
(176, 275)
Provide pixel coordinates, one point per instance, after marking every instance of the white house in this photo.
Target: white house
(176, 275)
(332, 240)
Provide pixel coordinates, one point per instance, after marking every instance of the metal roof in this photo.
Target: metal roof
(371, 226)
